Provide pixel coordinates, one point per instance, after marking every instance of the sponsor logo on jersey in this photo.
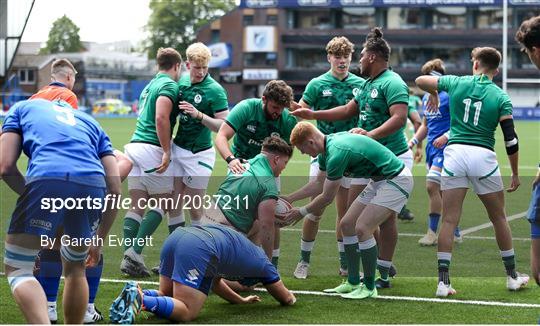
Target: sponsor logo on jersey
(251, 128)
(47, 225)
(327, 92)
(197, 99)
(254, 142)
(355, 91)
(193, 276)
(374, 93)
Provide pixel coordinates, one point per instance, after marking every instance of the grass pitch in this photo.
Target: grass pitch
(476, 270)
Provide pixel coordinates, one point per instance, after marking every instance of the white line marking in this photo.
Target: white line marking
(489, 224)
(383, 297)
(416, 235)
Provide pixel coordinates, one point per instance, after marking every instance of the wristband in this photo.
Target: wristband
(447, 134)
(414, 140)
(303, 211)
(230, 158)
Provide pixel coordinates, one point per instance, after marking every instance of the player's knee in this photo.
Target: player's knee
(433, 188)
(345, 226)
(361, 230)
(19, 265)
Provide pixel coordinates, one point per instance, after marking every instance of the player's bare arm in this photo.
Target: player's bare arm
(265, 213)
(398, 118)
(11, 146)
(163, 130)
(342, 112)
(310, 189)
(223, 136)
(512, 149)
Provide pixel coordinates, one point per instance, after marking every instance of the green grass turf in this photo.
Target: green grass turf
(477, 271)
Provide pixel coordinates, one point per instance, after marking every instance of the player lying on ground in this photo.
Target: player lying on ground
(193, 260)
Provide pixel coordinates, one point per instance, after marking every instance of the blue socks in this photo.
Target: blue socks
(434, 221)
(93, 276)
(160, 306)
(151, 293)
(50, 270)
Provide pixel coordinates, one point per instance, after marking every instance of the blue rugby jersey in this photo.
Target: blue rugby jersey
(437, 122)
(59, 141)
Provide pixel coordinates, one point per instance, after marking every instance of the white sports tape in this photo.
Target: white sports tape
(313, 218)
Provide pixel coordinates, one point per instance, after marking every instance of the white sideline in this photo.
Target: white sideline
(383, 297)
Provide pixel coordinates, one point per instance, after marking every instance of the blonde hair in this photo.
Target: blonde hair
(62, 67)
(301, 132)
(198, 53)
(340, 46)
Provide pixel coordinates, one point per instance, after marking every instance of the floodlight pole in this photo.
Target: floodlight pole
(505, 45)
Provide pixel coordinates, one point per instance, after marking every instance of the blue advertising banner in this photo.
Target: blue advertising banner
(379, 3)
(526, 113)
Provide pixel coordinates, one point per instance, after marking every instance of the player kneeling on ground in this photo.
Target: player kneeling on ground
(357, 156)
(186, 276)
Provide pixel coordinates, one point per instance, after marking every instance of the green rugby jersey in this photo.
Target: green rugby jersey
(357, 156)
(145, 129)
(375, 98)
(239, 196)
(326, 92)
(476, 105)
(208, 97)
(249, 122)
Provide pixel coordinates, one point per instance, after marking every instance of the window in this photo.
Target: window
(248, 20)
(260, 59)
(407, 58)
(405, 18)
(454, 58)
(449, 18)
(214, 37)
(490, 18)
(315, 19)
(26, 76)
(524, 14)
(307, 59)
(271, 19)
(359, 18)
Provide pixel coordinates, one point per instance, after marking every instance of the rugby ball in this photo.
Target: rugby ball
(282, 208)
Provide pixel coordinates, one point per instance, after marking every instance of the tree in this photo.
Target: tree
(173, 23)
(63, 37)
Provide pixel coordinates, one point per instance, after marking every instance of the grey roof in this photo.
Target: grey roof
(32, 61)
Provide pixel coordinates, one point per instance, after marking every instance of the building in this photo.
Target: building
(105, 71)
(286, 39)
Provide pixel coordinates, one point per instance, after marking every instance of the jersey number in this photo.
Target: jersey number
(477, 108)
(66, 115)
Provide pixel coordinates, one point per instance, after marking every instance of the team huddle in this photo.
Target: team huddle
(361, 159)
